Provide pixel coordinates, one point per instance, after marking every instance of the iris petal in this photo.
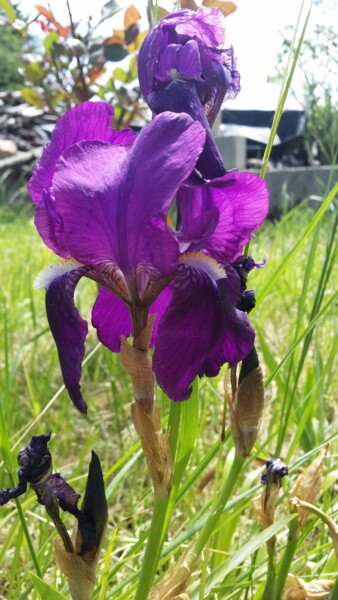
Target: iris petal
(111, 317)
(69, 331)
(200, 331)
(113, 202)
(242, 201)
(181, 97)
(88, 121)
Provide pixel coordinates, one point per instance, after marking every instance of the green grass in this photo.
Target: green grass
(296, 328)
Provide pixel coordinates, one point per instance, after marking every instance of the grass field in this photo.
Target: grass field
(296, 324)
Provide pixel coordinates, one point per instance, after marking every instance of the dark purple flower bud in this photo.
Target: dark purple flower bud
(184, 67)
(243, 265)
(275, 471)
(249, 363)
(94, 510)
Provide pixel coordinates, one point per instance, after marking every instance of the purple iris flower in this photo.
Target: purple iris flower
(183, 67)
(102, 204)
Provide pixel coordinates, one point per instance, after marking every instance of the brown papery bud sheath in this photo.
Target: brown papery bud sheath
(246, 413)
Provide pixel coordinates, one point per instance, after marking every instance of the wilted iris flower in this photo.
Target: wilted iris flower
(184, 67)
(102, 204)
(77, 557)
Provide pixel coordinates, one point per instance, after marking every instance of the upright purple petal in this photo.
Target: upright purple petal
(69, 331)
(113, 200)
(85, 185)
(200, 331)
(88, 121)
(242, 201)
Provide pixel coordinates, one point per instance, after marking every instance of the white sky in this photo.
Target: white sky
(254, 31)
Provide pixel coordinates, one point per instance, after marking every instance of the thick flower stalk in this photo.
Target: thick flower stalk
(184, 67)
(102, 203)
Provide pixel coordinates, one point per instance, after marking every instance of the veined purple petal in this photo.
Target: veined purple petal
(189, 62)
(200, 331)
(111, 317)
(217, 81)
(181, 97)
(88, 121)
(167, 62)
(206, 25)
(49, 223)
(85, 185)
(148, 57)
(242, 201)
(69, 330)
(113, 200)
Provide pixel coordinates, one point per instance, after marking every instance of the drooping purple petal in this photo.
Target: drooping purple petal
(200, 331)
(69, 330)
(65, 494)
(88, 121)
(111, 317)
(242, 202)
(181, 97)
(113, 201)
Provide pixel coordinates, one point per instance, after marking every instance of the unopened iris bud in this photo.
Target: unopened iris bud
(246, 411)
(243, 265)
(264, 506)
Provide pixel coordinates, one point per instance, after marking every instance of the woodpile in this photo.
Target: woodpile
(24, 131)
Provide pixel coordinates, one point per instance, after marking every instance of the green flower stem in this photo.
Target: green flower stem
(223, 498)
(204, 571)
(28, 538)
(285, 564)
(161, 516)
(270, 586)
(153, 549)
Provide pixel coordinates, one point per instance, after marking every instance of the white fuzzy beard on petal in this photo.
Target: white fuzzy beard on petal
(47, 275)
(203, 262)
(173, 74)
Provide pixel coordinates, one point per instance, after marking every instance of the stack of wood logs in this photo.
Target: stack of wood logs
(24, 131)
